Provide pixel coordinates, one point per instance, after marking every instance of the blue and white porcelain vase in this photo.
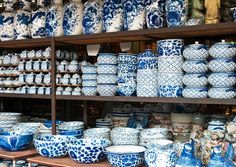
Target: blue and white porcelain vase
(54, 19)
(25, 4)
(38, 21)
(92, 18)
(73, 16)
(155, 13)
(8, 4)
(176, 12)
(112, 16)
(22, 24)
(161, 154)
(134, 14)
(7, 26)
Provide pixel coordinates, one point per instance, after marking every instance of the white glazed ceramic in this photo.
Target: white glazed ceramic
(195, 80)
(107, 69)
(107, 78)
(196, 51)
(189, 92)
(106, 89)
(222, 93)
(222, 65)
(89, 90)
(223, 49)
(107, 58)
(195, 66)
(222, 79)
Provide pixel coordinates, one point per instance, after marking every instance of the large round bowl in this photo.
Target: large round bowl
(87, 150)
(14, 141)
(123, 156)
(51, 146)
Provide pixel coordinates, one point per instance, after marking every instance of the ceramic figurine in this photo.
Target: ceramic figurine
(38, 23)
(212, 11)
(73, 16)
(134, 14)
(54, 19)
(92, 18)
(7, 26)
(155, 13)
(197, 10)
(112, 15)
(22, 24)
(176, 12)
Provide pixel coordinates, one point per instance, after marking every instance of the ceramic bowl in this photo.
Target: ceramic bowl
(124, 136)
(15, 141)
(196, 51)
(181, 127)
(27, 127)
(222, 65)
(127, 78)
(86, 76)
(216, 126)
(126, 89)
(89, 69)
(126, 68)
(78, 133)
(89, 90)
(195, 66)
(87, 150)
(107, 58)
(195, 80)
(190, 92)
(170, 91)
(124, 156)
(107, 78)
(222, 79)
(222, 93)
(170, 79)
(71, 125)
(106, 89)
(181, 117)
(107, 69)
(51, 146)
(89, 82)
(223, 49)
(98, 133)
(127, 58)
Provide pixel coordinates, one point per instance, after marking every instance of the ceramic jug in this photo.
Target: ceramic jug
(92, 18)
(134, 14)
(54, 19)
(7, 26)
(160, 153)
(73, 16)
(112, 15)
(22, 24)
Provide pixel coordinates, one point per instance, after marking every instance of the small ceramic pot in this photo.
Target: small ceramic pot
(222, 79)
(222, 65)
(189, 92)
(41, 90)
(196, 51)
(223, 49)
(39, 78)
(73, 66)
(195, 66)
(195, 80)
(30, 78)
(222, 93)
(47, 79)
(46, 65)
(75, 81)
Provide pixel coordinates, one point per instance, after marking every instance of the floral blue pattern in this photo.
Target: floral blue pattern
(22, 24)
(170, 91)
(147, 60)
(38, 23)
(170, 47)
(6, 25)
(112, 15)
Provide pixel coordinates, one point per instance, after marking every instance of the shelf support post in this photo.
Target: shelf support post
(53, 87)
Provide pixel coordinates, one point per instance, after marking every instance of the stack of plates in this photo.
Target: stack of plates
(8, 120)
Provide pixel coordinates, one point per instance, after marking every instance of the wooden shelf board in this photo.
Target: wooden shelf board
(29, 96)
(150, 99)
(63, 162)
(26, 43)
(18, 154)
(226, 29)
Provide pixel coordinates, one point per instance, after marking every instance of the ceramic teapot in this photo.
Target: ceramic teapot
(22, 78)
(46, 65)
(33, 90)
(47, 79)
(24, 54)
(65, 80)
(63, 66)
(37, 65)
(39, 78)
(73, 66)
(47, 53)
(75, 80)
(15, 59)
(39, 54)
(31, 54)
(21, 66)
(29, 65)
(41, 90)
(30, 78)
(7, 59)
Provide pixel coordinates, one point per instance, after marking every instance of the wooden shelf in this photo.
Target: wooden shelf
(35, 71)
(150, 99)
(26, 43)
(63, 162)
(209, 30)
(17, 154)
(29, 96)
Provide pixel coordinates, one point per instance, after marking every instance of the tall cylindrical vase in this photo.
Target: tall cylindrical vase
(73, 16)
(7, 26)
(54, 19)
(176, 12)
(112, 16)
(92, 18)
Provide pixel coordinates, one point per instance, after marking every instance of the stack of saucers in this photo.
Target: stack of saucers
(223, 76)
(107, 74)
(89, 80)
(196, 69)
(8, 120)
(73, 128)
(127, 76)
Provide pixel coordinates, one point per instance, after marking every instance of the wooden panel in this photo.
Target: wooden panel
(17, 154)
(33, 96)
(151, 99)
(63, 162)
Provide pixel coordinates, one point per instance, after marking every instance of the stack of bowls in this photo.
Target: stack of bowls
(27, 127)
(223, 77)
(148, 136)
(73, 128)
(8, 120)
(97, 133)
(107, 74)
(170, 74)
(103, 123)
(89, 80)
(127, 76)
(124, 136)
(195, 66)
(147, 74)
(181, 126)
